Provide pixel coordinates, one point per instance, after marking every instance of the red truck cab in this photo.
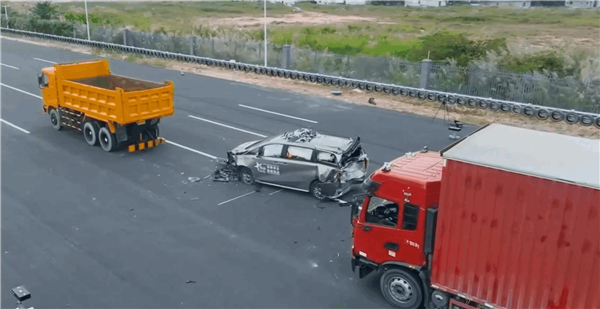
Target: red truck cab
(390, 228)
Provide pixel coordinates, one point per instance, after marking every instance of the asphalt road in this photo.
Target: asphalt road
(82, 228)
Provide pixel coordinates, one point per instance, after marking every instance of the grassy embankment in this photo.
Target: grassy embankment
(539, 38)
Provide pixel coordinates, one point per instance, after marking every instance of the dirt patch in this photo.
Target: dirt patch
(396, 103)
(301, 18)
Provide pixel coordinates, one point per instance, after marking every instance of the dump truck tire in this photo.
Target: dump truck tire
(90, 132)
(401, 288)
(108, 141)
(55, 119)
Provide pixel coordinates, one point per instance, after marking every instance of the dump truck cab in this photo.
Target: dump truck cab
(392, 217)
(47, 84)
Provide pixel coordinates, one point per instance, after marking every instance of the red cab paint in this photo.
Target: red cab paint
(497, 226)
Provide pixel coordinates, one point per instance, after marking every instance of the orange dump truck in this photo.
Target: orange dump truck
(110, 110)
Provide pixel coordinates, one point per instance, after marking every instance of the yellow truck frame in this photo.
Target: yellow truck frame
(110, 110)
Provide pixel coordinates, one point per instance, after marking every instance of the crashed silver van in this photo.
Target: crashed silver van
(302, 160)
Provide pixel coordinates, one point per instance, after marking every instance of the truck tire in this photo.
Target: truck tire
(90, 132)
(55, 119)
(108, 141)
(246, 176)
(401, 288)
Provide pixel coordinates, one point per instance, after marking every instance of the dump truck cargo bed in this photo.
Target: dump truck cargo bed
(90, 87)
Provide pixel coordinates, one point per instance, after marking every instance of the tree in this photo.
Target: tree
(44, 9)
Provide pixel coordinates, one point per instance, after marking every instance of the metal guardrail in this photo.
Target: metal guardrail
(508, 107)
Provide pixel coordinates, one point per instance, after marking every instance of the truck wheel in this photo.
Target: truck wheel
(108, 141)
(55, 119)
(401, 289)
(315, 190)
(246, 176)
(90, 132)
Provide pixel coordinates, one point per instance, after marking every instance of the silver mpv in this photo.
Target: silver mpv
(302, 160)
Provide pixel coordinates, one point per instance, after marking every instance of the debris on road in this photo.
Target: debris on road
(190, 281)
(336, 92)
(372, 101)
(225, 174)
(194, 179)
(195, 198)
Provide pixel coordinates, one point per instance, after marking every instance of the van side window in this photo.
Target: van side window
(410, 217)
(272, 151)
(326, 157)
(299, 153)
(382, 212)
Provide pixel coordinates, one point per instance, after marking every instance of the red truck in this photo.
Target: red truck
(503, 218)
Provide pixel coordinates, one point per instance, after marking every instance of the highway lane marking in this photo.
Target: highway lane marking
(235, 198)
(274, 113)
(14, 126)
(276, 192)
(9, 66)
(38, 59)
(23, 91)
(224, 125)
(192, 150)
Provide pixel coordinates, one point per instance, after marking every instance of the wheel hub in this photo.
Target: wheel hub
(401, 289)
(247, 179)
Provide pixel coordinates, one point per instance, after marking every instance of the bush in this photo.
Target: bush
(444, 45)
(44, 10)
(539, 62)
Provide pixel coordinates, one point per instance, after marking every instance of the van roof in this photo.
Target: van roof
(541, 154)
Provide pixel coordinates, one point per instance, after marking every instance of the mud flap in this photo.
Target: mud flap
(121, 134)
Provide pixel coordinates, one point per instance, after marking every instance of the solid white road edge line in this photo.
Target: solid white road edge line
(235, 198)
(274, 113)
(38, 59)
(224, 125)
(276, 192)
(14, 126)
(192, 150)
(10, 66)
(19, 90)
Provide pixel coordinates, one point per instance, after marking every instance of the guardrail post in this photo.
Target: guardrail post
(426, 65)
(193, 45)
(125, 37)
(286, 56)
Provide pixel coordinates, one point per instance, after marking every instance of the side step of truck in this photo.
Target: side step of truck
(146, 145)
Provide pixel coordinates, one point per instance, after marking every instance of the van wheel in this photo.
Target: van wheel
(246, 176)
(315, 190)
(401, 289)
(108, 141)
(55, 119)
(90, 132)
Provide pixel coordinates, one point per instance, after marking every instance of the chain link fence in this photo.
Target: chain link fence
(533, 88)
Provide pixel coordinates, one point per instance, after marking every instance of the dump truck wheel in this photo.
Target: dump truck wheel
(108, 141)
(315, 191)
(246, 176)
(55, 119)
(401, 289)
(90, 132)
